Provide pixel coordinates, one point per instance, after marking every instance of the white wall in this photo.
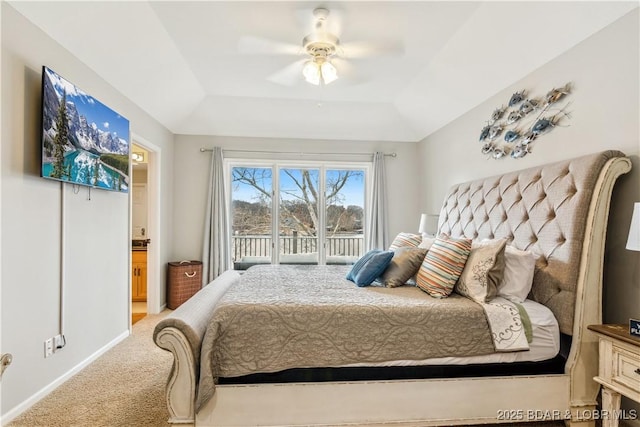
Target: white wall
(604, 70)
(97, 230)
(605, 115)
(192, 173)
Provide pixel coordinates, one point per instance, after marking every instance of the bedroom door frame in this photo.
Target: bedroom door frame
(154, 189)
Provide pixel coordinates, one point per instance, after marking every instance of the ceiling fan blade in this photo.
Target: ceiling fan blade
(260, 46)
(347, 71)
(367, 50)
(289, 75)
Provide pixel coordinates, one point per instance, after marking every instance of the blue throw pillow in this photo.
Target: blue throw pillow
(373, 268)
(357, 266)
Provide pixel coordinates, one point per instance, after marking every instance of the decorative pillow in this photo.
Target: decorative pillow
(483, 271)
(442, 265)
(373, 268)
(427, 242)
(357, 266)
(518, 274)
(403, 266)
(405, 239)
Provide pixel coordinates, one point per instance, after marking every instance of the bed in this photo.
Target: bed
(557, 211)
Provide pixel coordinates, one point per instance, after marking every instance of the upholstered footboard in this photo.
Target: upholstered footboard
(181, 333)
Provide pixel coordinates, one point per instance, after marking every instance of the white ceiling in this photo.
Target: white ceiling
(182, 61)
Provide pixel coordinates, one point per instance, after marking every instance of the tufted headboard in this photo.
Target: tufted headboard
(545, 209)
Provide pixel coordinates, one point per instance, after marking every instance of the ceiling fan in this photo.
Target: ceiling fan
(325, 58)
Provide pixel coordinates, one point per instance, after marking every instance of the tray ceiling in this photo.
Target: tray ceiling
(182, 61)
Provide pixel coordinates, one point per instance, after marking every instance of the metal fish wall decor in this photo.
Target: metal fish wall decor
(554, 95)
(513, 117)
(511, 135)
(528, 106)
(497, 114)
(523, 121)
(516, 98)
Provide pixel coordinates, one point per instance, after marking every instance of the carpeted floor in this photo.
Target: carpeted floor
(124, 387)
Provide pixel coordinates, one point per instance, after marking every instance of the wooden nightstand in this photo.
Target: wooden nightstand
(619, 369)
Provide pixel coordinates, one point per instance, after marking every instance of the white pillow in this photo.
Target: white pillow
(483, 270)
(518, 274)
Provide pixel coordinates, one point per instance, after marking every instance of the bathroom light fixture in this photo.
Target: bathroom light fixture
(137, 157)
(633, 242)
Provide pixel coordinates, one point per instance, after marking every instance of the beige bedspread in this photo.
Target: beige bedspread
(281, 317)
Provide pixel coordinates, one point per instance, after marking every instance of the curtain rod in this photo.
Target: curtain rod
(202, 150)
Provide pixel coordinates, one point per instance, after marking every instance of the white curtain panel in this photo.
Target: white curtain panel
(215, 250)
(377, 236)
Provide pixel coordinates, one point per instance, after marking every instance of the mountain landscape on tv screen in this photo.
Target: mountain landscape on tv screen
(83, 142)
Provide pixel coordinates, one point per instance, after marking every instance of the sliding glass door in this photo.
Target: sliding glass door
(251, 216)
(291, 214)
(344, 207)
(299, 222)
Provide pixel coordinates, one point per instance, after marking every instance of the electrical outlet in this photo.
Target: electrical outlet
(48, 347)
(58, 343)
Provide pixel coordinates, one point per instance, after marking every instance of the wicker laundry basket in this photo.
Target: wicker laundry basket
(184, 279)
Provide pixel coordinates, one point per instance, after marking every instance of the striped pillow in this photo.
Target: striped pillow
(443, 265)
(405, 240)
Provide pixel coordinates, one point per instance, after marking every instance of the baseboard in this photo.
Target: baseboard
(22, 407)
(163, 307)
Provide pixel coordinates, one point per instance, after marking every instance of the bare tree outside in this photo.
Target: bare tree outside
(252, 216)
(299, 206)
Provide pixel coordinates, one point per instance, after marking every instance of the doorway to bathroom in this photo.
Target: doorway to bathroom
(140, 238)
(147, 171)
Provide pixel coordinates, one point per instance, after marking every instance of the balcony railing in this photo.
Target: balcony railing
(259, 246)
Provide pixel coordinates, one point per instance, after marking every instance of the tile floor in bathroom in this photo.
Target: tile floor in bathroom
(138, 311)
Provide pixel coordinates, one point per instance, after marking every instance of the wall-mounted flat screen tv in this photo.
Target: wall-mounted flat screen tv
(84, 142)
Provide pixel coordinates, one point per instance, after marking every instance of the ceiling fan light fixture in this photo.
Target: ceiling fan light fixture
(311, 72)
(329, 72)
(318, 70)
